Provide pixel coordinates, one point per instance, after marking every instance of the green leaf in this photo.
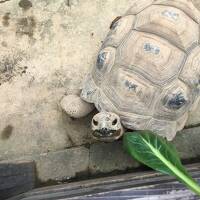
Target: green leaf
(155, 152)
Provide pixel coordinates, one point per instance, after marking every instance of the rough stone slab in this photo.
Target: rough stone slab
(105, 158)
(63, 165)
(188, 143)
(102, 158)
(16, 178)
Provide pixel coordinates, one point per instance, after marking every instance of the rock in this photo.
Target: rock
(187, 143)
(105, 158)
(61, 165)
(64, 165)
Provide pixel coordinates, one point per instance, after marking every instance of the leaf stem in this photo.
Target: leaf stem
(189, 182)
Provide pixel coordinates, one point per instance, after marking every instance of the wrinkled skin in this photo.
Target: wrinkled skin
(107, 127)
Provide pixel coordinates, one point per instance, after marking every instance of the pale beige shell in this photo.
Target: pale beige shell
(148, 69)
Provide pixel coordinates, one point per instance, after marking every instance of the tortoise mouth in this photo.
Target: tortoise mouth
(108, 135)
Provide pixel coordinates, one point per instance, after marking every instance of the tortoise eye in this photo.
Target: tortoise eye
(114, 122)
(95, 122)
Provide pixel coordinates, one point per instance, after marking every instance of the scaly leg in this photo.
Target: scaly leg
(75, 107)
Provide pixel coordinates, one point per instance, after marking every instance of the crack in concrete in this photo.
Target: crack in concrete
(71, 2)
(3, 1)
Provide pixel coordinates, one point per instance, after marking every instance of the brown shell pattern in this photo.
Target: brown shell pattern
(148, 69)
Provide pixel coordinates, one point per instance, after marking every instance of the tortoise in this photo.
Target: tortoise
(147, 73)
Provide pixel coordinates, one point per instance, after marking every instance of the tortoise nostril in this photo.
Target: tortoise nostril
(104, 131)
(114, 122)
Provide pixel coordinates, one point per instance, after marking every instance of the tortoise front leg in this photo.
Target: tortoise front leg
(75, 107)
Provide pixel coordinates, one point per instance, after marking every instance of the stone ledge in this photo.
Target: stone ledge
(187, 143)
(105, 158)
(61, 165)
(102, 158)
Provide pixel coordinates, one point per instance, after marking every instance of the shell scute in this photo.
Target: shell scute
(129, 92)
(186, 6)
(153, 57)
(119, 30)
(174, 101)
(190, 73)
(170, 23)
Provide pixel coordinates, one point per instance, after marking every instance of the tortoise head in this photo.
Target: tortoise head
(106, 127)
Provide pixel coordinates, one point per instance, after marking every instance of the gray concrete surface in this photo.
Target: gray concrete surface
(47, 48)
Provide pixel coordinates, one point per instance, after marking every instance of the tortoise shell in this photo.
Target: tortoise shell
(148, 68)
